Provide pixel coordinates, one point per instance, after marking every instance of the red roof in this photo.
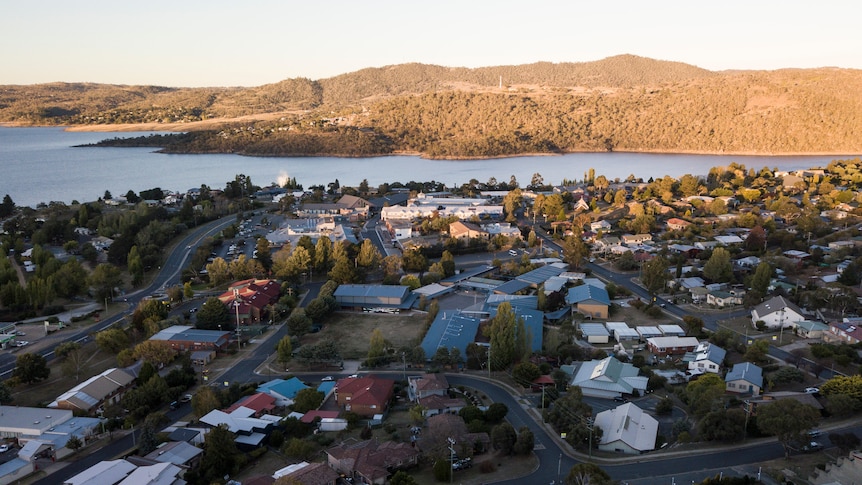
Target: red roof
(259, 403)
(545, 379)
(366, 390)
(317, 413)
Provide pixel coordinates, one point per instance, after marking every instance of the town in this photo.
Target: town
(418, 333)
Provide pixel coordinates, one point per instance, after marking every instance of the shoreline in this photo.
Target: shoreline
(209, 124)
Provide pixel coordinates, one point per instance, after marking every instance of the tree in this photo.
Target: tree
(298, 324)
(588, 474)
(526, 441)
(369, 256)
(718, 268)
(204, 401)
(74, 360)
(574, 251)
(502, 334)
(503, 438)
(7, 207)
(135, 265)
(402, 478)
(376, 348)
(525, 373)
(213, 314)
(264, 254)
(704, 394)
(104, 279)
(220, 456)
(307, 400)
(74, 443)
(30, 368)
(112, 340)
(156, 352)
(847, 385)
(693, 325)
(5, 393)
(284, 350)
(655, 274)
(761, 279)
(787, 420)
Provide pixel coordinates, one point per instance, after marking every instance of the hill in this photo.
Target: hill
(625, 103)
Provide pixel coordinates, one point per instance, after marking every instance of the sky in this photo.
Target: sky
(195, 43)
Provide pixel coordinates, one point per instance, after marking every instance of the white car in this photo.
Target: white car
(327, 379)
(812, 390)
(21, 343)
(4, 448)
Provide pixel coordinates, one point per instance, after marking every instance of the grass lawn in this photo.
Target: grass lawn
(42, 393)
(352, 331)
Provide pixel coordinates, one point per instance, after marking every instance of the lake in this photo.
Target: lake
(41, 165)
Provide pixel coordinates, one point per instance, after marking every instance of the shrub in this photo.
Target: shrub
(487, 466)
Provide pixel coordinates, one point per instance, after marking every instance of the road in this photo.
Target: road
(169, 274)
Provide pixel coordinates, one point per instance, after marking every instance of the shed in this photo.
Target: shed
(622, 332)
(595, 333)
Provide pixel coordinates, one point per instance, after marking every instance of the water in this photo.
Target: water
(40, 165)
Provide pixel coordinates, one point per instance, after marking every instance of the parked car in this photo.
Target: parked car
(21, 343)
(812, 390)
(327, 379)
(186, 398)
(812, 446)
(4, 448)
(620, 399)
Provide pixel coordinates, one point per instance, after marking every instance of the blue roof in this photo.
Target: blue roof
(511, 287)
(540, 275)
(588, 292)
(530, 302)
(450, 329)
(745, 371)
(326, 386)
(287, 388)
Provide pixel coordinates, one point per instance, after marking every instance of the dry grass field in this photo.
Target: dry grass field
(352, 331)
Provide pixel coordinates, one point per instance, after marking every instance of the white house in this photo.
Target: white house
(776, 313)
(627, 429)
(609, 378)
(705, 358)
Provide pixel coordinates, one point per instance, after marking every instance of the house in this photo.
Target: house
(177, 453)
(722, 299)
(777, 313)
(261, 403)
(419, 387)
(811, 329)
(706, 357)
(365, 396)
(443, 426)
(157, 474)
(744, 378)
(436, 404)
(250, 431)
(250, 299)
(627, 429)
(87, 397)
(103, 473)
(608, 378)
(187, 338)
(635, 239)
(676, 224)
(664, 346)
(589, 300)
(305, 473)
(729, 240)
(466, 230)
(602, 225)
(284, 391)
(847, 332)
(371, 461)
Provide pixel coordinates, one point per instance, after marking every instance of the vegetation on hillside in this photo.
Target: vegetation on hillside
(623, 103)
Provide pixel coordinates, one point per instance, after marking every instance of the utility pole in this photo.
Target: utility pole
(451, 458)
(404, 362)
(489, 362)
(236, 305)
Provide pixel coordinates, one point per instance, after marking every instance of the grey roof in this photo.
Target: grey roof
(523, 301)
(540, 275)
(583, 293)
(511, 287)
(594, 329)
(183, 434)
(389, 291)
(450, 329)
(176, 452)
(775, 304)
